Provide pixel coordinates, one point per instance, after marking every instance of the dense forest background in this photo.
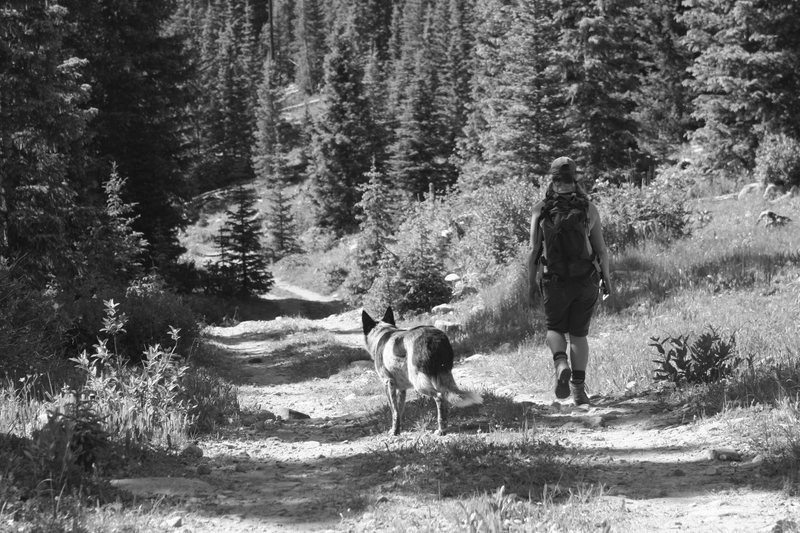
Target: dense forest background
(115, 114)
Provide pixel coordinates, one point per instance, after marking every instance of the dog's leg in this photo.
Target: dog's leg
(401, 408)
(392, 393)
(441, 413)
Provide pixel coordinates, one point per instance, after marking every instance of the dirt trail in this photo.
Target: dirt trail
(305, 475)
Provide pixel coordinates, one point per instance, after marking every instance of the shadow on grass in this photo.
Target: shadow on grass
(638, 278)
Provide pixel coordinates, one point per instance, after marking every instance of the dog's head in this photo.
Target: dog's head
(369, 324)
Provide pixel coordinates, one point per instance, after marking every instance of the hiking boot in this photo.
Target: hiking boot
(563, 373)
(579, 394)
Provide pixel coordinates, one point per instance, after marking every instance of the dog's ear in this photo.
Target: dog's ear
(388, 316)
(367, 322)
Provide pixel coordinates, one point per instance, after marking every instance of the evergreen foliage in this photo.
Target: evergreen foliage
(598, 58)
(138, 78)
(378, 216)
(744, 78)
(411, 278)
(309, 45)
(242, 266)
(412, 93)
(270, 166)
(43, 128)
(343, 144)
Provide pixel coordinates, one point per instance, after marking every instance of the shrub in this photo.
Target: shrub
(491, 224)
(140, 404)
(153, 311)
(29, 325)
(411, 276)
(212, 401)
(708, 359)
(70, 445)
(632, 215)
(778, 160)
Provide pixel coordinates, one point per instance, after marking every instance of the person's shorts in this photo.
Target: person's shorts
(569, 304)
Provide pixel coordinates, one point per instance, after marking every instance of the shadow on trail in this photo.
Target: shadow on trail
(288, 358)
(216, 310)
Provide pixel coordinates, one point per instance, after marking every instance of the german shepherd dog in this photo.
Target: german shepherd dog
(420, 358)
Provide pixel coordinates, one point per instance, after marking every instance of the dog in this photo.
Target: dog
(420, 358)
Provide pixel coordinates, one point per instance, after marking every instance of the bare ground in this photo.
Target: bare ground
(338, 469)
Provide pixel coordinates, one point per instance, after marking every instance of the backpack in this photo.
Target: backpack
(565, 234)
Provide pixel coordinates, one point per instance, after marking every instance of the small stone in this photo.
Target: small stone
(203, 470)
(290, 414)
(726, 454)
(192, 451)
(382, 499)
(175, 522)
(452, 278)
(442, 309)
(678, 472)
(448, 327)
(593, 421)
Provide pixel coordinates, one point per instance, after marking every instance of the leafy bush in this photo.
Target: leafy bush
(69, 446)
(141, 404)
(490, 225)
(631, 215)
(411, 276)
(29, 325)
(708, 359)
(778, 160)
(150, 309)
(212, 401)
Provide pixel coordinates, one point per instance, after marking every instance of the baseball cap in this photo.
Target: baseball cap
(563, 169)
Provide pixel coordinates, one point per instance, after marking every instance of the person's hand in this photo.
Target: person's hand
(608, 297)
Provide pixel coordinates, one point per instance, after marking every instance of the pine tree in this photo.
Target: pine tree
(43, 121)
(745, 79)
(242, 267)
(377, 219)
(139, 86)
(598, 57)
(418, 156)
(343, 142)
(513, 128)
(309, 45)
(664, 102)
(270, 167)
(282, 38)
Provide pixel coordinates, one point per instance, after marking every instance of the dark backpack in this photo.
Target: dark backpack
(565, 231)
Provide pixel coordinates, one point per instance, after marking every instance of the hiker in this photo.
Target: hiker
(567, 263)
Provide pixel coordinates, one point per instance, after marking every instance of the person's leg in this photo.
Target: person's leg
(579, 353)
(557, 299)
(557, 343)
(579, 356)
(580, 318)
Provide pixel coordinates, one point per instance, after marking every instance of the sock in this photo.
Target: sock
(578, 376)
(559, 355)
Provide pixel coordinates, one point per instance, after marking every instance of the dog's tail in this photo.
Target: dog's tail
(445, 383)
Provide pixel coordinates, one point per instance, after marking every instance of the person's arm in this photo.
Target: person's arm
(599, 246)
(533, 256)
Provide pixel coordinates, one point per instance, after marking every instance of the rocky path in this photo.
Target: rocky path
(326, 458)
